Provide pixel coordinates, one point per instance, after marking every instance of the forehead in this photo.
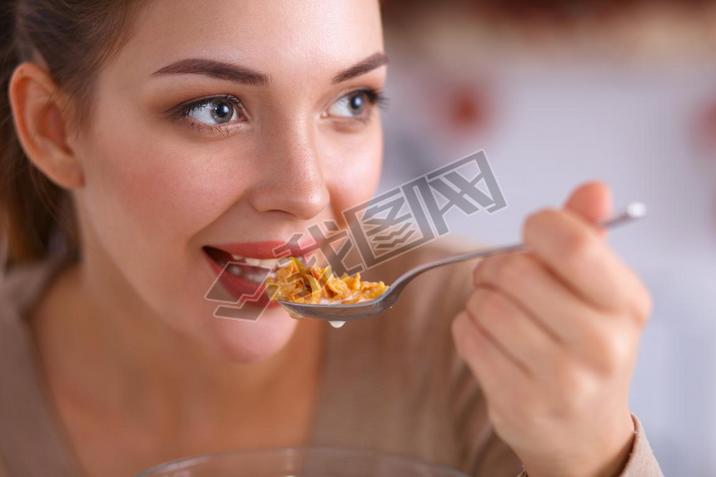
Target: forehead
(275, 36)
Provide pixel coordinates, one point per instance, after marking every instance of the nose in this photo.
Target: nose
(292, 180)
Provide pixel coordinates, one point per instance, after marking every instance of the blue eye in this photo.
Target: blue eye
(218, 111)
(356, 104)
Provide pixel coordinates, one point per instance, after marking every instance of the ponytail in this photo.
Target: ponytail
(74, 38)
(27, 198)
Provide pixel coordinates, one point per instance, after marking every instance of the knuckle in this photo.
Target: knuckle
(648, 305)
(577, 247)
(472, 306)
(514, 271)
(621, 352)
(503, 274)
(536, 221)
(566, 368)
(612, 352)
(478, 272)
(574, 388)
(643, 307)
(491, 304)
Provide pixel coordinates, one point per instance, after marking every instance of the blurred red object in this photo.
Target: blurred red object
(705, 128)
(468, 108)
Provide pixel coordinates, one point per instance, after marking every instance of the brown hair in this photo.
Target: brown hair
(73, 38)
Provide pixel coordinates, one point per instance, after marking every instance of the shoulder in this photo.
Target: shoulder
(31, 443)
(20, 288)
(22, 285)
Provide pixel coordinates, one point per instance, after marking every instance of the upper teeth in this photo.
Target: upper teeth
(270, 263)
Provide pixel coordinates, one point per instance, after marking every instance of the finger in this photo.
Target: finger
(496, 372)
(591, 201)
(499, 346)
(552, 305)
(571, 249)
(512, 328)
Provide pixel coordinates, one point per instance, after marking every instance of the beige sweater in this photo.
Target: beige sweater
(393, 384)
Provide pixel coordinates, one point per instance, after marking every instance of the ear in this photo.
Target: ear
(41, 124)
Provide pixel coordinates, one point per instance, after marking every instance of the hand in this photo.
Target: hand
(552, 336)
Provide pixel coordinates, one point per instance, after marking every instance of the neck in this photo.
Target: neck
(92, 337)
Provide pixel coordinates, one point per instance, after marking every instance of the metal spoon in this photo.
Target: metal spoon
(338, 314)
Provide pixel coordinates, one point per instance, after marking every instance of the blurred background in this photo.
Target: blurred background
(558, 92)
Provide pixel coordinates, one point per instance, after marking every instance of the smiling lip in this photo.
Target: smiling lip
(241, 288)
(238, 286)
(262, 249)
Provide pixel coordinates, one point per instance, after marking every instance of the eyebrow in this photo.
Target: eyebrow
(214, 69)
(240, 74)
(372, 62)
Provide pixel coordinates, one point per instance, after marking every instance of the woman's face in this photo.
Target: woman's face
(238, 122)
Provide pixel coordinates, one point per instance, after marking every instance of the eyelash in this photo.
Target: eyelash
(181, 112)
(376, 97)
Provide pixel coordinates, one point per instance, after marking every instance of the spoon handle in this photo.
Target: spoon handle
(633, 211)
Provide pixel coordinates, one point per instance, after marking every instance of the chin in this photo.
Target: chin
(247, 341)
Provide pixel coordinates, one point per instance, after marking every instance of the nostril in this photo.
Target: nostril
(300, 202)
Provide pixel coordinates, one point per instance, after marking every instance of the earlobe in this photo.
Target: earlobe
(41, 125)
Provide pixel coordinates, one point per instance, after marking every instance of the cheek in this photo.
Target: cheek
(141, 187)
(353, 173)
(146, 199)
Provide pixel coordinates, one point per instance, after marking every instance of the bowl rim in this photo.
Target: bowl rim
(183, 463)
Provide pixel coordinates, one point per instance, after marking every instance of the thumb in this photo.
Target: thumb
(592, 201)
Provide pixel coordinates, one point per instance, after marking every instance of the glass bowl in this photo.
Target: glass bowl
(300, 462)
